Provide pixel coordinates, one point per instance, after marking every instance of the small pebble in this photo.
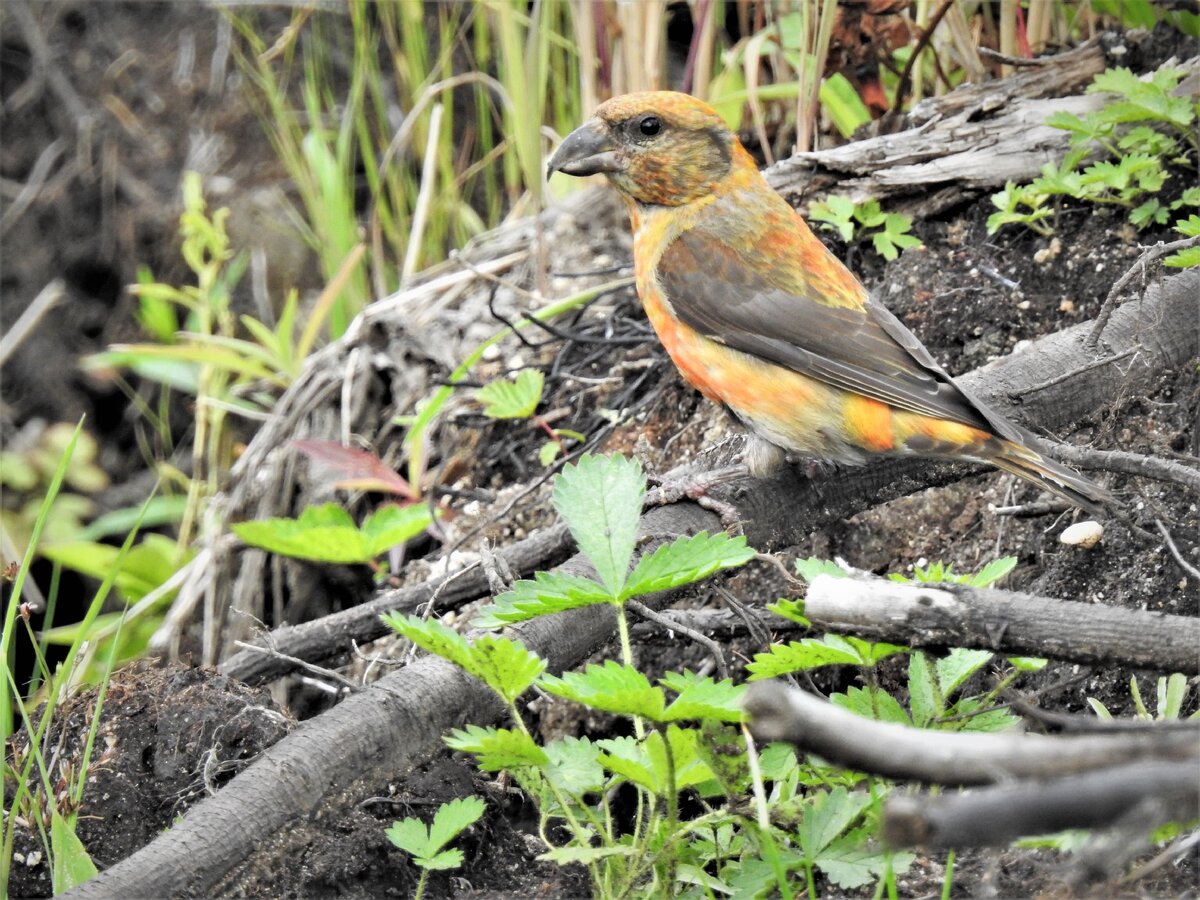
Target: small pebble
(1083, 534)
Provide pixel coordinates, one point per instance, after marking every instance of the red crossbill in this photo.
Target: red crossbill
(763, 319)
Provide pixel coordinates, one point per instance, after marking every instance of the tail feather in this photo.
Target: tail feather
(1053, 476)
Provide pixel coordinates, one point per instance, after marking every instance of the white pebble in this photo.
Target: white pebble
(1084, 534)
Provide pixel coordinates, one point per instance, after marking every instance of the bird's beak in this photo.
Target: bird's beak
(588, 149)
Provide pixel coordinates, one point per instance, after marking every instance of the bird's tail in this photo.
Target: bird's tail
(1051, 475)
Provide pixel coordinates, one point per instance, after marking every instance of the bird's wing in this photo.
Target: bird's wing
(863, 349)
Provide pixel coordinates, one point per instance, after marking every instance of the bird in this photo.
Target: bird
(764, 320)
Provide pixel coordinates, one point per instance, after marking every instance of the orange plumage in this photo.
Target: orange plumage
(763, 319)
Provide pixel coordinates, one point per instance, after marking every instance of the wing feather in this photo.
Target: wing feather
(865, 349)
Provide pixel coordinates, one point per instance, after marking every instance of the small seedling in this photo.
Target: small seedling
(427, 845)
(889, 232)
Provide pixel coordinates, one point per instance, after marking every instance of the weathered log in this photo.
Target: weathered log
(957, 615)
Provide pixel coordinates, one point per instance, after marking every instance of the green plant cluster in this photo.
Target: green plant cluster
(889, 232)
(810, 821)
(1123, 154)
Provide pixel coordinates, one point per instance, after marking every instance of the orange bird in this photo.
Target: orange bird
(763, 319)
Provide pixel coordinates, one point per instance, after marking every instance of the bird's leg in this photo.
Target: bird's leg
(695, 486)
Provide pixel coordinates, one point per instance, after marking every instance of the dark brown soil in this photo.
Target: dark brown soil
(170, 735)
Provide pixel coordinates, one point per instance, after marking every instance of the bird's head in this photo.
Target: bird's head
(656, 147)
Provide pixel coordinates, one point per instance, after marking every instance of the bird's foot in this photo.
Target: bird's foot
(695, 487)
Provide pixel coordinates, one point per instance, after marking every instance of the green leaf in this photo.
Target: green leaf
(327, 533)
(600, 499)
(446, 859)
(1171, 693)
(497, 748)
(392, 525)
(574, 765)
(925, 697)
(812, 653)
(453, 818)
(549, 592)
(612, 687)
(425, 844)
(571, 855)
(790, 609)
(549, 452)
(957, 666)
(826, 816)
(504, 665)
(684, 560)
(843, 104)
(517, 399)
(72, 864)
(1184, 259)
(701, 697)
(810, 568)
(851, 862)
(872, 703)
(993, 572)
(627, 758)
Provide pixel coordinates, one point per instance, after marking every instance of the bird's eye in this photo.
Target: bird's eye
(650, 125)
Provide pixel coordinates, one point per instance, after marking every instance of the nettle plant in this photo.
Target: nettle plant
(667, 809)
(1133, 144)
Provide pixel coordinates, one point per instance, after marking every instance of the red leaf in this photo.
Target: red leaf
(360, 470)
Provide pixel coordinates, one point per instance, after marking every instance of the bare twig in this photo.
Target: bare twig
(675, 625)
(780, 713)
(1000, 814)
(45, 301)
(1183, 563)
(1149, 255)
(956, 615)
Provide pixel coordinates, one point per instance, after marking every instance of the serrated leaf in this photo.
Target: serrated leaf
(517, 399)
(410, 835)
(574, 765)
(626, 757)
(612, 687)
(452, 818)
(1184, 259)
(432, 636)
(851, 862)
(957, 666)
(792, 609)
(993, 571)
(447, 859)
(812, 653)
(548, 592)
(924, 694)
(392, 525)
(808, 569)
(600, 498)
(497, 748)
(566, 856)
(326, 533)
(872, 703)
(505, 665)
(701, 697)
(826, 816)
(684, 560)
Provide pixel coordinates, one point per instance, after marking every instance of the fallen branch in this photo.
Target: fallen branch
(781, 713)
(1001, 814)
(957, 615)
